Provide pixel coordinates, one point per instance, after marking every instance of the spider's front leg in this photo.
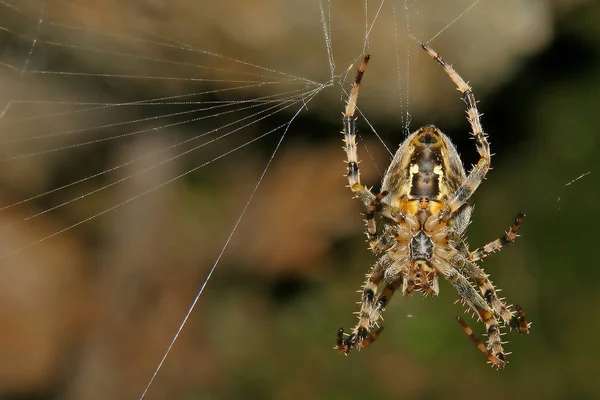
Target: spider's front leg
(477, 174)
(349, 132)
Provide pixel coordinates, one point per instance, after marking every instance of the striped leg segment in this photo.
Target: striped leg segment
(516, 321)
(359, 340)
(508, 238)
(495, 361)
(349, 132)
(372, 305)
(372, 209)
(519, 322)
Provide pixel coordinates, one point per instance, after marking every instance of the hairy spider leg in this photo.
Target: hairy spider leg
(373, 304)
(476, 303)
(475, 177)
(508, 238)
(372, 236)
(345, 346)
(516, 321)
(495, 361)
(520, 323)
(349, 132)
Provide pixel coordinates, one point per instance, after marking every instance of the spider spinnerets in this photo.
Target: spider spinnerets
(416, 223)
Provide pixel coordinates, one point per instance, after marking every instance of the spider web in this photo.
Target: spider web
(148, 146)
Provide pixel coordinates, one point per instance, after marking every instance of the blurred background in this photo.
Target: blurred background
(163, 105)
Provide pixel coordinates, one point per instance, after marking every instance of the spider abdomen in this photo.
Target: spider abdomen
(426, 166)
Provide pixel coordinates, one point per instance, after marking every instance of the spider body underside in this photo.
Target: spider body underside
(416, 224)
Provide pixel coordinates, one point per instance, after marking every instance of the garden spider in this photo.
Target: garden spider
(424, 209)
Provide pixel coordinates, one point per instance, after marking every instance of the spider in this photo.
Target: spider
(423, 210)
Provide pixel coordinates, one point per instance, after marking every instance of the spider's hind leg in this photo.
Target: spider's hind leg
(476, 303)
(517, 321)
(372, 305)
(359, 340)
(495, 361)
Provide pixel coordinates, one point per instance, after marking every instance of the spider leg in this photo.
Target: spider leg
(373, 208)
(408, 281)
(508, 238)
(344, 346)
(475, 177)
(516, 321)
(476, 303)
(492, 358)
(349, 132)
(519, 323)
(372, 305)
(379, 242)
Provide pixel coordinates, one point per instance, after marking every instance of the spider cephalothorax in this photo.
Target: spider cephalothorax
(417, 223)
